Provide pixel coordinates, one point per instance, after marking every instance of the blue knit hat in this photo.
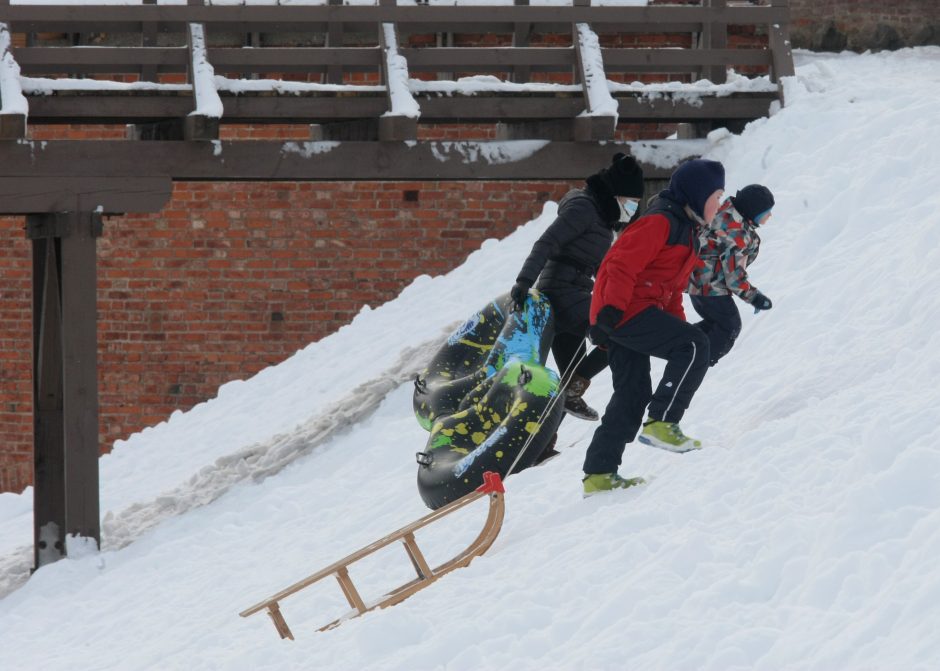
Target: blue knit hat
(694, 181)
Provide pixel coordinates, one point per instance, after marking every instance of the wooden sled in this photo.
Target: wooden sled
(492, 487)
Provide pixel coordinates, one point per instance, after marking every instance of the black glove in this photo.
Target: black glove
(519, 294)
(607, 320)
(761, 302)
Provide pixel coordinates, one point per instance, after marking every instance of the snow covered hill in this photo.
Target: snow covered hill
(805, 535)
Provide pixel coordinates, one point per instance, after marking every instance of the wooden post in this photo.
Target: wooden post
(65, 384)
(197, 125)
(393, 127)
(715, 36)
(334, 38)
(521, 34)
(48, 431)
(780, 47)
(148, 38)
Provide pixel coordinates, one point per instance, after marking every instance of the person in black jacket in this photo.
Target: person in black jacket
(564, 260)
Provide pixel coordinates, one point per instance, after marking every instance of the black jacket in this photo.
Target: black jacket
(566, 257)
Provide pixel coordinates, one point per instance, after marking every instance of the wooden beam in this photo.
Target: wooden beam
(599, 119)
(247, 108)
(313, 161)
(48, 429)
(780, 47)
(27, 193)
(334, 38)
(715, 36)
(521, 34)
(13, 109)
(12, 126)
(116, 60)
(80, 379)
(65, 383)
(203, 122)
(427, 19)
(400, 122)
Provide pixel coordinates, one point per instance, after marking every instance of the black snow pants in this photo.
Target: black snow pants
(721, 321)
(572, 307)
(653, 332)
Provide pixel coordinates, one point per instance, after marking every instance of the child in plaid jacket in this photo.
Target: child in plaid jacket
(727, 247)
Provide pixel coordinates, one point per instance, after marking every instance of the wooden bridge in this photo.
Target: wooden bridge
(550, 91)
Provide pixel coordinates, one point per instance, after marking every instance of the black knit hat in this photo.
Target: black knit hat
(752, 201)
(624, 176)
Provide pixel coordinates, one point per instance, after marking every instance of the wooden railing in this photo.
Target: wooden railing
(545, 62)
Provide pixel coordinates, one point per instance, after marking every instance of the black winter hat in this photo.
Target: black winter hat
(624, 177)
(752, 201)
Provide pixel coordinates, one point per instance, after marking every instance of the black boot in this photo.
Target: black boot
(574, 403)
(549, 451)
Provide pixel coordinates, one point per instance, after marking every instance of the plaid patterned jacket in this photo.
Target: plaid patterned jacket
(727, 247)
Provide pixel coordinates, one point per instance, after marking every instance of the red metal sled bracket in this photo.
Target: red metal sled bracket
(492, 486)
(492, 483)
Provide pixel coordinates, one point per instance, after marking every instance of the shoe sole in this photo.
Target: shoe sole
(585, 495)
(584, 417)
(677, 449)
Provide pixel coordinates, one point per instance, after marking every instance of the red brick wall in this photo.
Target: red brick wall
(230, 279)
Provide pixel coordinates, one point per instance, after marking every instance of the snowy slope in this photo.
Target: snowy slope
(804, 536)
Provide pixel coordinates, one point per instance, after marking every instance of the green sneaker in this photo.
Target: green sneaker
(667, 436)
(605, 482)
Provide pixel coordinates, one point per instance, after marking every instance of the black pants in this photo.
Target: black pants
(721, 322)
(650, 333)
(566, 347)
(572, 307)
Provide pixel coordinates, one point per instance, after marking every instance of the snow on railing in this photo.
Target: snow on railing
(208, 102)
(12, 100)
(401, 102)
(598, 99)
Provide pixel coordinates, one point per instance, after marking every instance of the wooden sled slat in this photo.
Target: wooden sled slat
(492, 487)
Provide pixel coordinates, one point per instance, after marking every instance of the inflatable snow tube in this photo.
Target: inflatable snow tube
(481, 398)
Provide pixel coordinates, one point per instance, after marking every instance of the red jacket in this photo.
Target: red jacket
(642, 269)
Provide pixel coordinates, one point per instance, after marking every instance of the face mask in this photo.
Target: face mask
(628, 209)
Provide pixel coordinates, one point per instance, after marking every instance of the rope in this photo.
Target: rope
(565, 378)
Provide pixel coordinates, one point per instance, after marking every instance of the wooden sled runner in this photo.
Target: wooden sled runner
(492, 487)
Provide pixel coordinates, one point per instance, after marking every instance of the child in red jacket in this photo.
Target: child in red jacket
(636, 312)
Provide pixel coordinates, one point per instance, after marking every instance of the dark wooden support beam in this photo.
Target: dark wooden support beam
(395, 125)
(148, 38)
(435, 108)
(715, 36)
(521, 34)
(65, 384)
(334, 38)
(26, 193)
(780, 47)
(362, 18)
(48, 419)
(594, 128)
(591, 126)
(12, 126)
(13, 121)
(200, 127)
(265, 160)
(203, 123)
